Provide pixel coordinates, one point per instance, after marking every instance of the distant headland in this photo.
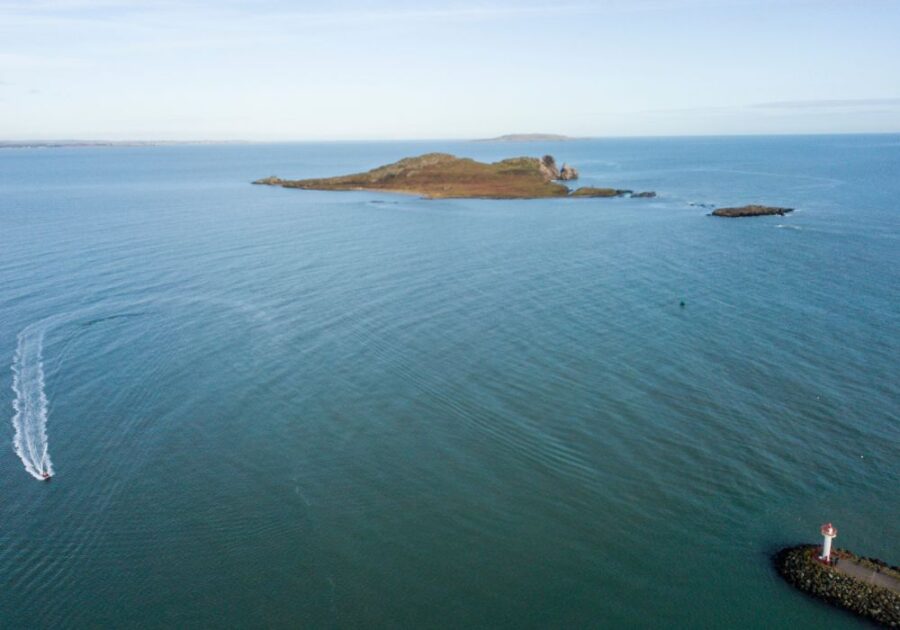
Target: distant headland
(445, 176)
(68, 144)
(529, 137)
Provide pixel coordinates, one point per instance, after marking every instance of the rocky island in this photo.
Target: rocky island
(865, 586)
(445, 176)
(750, 211)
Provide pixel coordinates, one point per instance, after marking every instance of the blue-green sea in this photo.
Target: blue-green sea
(273, 408)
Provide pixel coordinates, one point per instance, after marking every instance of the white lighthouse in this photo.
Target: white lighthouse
(829, 532)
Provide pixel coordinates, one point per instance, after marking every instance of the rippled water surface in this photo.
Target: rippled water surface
(270, 407)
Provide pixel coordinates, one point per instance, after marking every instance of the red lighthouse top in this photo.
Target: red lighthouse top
(829, 530)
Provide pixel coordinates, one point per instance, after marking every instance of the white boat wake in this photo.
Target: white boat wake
(31, 405)
(30, 420)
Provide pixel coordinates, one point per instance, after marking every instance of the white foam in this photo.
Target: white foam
(30, 404)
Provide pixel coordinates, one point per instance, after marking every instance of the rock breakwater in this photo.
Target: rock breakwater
(864, 586)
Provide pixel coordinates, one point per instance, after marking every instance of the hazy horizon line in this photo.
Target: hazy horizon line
(95, 141)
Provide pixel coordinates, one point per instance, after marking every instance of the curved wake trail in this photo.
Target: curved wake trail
(31, 404)
(30, 419)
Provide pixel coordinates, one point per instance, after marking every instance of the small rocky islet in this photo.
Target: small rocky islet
(445, 176)
(750, 211)
(865, 586)
(591, 192)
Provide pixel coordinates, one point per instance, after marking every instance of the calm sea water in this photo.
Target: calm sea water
(270, 407)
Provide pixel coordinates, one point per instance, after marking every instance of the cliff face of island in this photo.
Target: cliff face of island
(444, 176)
(568, 173)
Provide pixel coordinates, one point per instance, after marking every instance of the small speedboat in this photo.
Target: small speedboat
(45, 476)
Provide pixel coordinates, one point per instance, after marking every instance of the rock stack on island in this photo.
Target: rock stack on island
(568, 173)
(548, 167)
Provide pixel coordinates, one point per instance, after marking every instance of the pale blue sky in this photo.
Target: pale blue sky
(357, 69)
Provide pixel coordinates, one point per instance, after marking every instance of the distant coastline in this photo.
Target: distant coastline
(60, 144)
(529, 137)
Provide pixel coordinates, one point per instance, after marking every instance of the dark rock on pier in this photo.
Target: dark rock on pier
(865, 586)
